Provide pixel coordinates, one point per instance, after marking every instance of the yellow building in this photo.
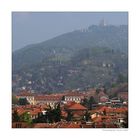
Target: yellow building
(29, 96)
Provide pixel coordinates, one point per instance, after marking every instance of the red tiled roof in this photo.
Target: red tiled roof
(73, 126)
(64, 125)
(110, 109)
(49, 98)
(79, 113)
(74, 94)
(75, 115)
(42, 125)
(33, 109)
(77, 107)
(87, 126)
(69, 103)
(98, 119)
(25, 93)
(64, 114)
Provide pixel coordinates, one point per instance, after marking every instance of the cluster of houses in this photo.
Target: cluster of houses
(52, 99)
(72, 96)
(106, 114)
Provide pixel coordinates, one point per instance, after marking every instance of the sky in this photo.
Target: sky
(34, 27)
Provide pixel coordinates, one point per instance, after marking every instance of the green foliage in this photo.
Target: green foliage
(122, 78)
(117, 88)
(53, 115)
(23, 101)
(63, 98)
(41, 119)
(89, 102)
(15, 116)
(98, 90)
(25, 117)
(57, 113)
(87, 116)
(104, 112)
(85, 102)
(69, 116)
(125, 123)
(14, 99)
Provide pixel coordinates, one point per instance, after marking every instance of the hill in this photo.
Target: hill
(76, 60)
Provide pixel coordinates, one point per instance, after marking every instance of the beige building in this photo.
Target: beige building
(51, 100)
(29, 96)
(75, 97)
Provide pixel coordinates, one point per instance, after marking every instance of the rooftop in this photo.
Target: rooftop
(77, 106)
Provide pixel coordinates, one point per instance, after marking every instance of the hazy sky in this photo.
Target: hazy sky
(33, 27)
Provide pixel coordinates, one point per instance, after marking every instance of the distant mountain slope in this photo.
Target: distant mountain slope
(82, 58)
(114, 37)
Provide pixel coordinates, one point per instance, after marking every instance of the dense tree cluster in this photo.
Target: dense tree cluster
(25, 117)
(89, 102)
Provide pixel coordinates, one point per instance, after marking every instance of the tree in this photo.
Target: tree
(69, 117)
(14, 99)
(125, 123)
(57, 113)
(113, 85)
(91, 102)
(63, 98)
(49, 116)
(122, 78)
(105, 89)
(87, 116)
(85, 102)
(25, 117)
(53, 115)
(98, 90)
(40, 119)
(15, 116)
(104, 112)
(23, 101)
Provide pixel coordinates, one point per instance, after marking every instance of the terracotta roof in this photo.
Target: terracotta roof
(49, 98)
(73, 126)
(98, 119)
(79, 113)
(75, 115)
(74, 94)
(25, 93)
(69, 103)
(33, 109)
(77, 106)
(64, 114)
(64, 125)
(87, 126)
(42, 125)
(20, 112)
(110, 109)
